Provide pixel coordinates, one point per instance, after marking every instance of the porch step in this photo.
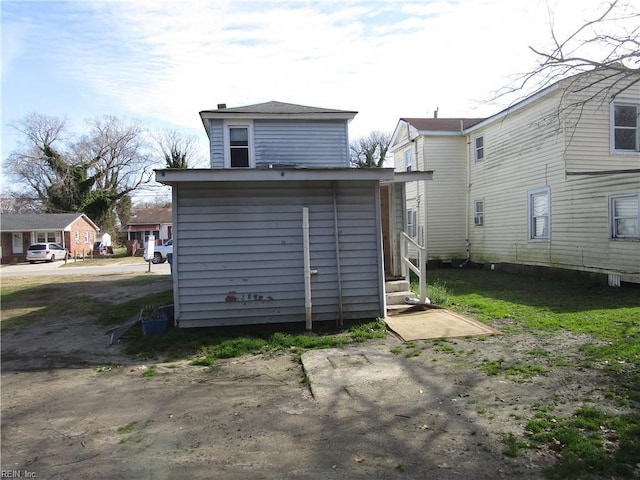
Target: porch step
(393, 286)
(397, 292)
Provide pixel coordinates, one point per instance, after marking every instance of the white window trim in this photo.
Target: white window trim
(475, 149)
(530, 227)
(612, 135)
(248, 124)
(475, 213)
(612, 228)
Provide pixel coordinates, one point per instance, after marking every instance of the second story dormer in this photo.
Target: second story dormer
(277, 134)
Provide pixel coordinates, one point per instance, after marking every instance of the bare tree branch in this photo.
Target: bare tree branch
(370, 151)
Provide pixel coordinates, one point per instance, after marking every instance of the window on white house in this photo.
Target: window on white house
(239, 147)
(539, 214)
(412, 222)
(478, 146)
(478, 212)
(408, 160)
(624, 214)
(626, 134)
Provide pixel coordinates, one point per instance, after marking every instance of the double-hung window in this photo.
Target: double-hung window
(478, 148)
(478, 213)
(626, 131)
(238, 147)
(540, 214)
(624, 215)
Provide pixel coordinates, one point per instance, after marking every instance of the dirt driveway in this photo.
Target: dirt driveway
(73, 408)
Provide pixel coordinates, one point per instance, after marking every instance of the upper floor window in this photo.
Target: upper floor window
(626, 136)
(624, 215)
(478, 213)
(478, 148)
(238, 147)
(408, 160)
(539, 214)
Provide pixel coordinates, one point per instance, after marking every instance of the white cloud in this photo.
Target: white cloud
(168, 60)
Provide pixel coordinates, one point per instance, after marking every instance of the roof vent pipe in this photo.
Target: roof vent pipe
(221, 106)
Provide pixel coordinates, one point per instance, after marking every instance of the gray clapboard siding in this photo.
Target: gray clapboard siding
(216, 144)
(310, 143)
(241, 254)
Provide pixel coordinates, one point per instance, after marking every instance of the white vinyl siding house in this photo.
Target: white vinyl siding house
(552, 178)
(559, 170)
(437, 145)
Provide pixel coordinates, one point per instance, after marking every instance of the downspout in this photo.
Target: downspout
(337, 241)
(307, 268)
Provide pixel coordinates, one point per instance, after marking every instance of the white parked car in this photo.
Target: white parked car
(46, 252)
(160, 252)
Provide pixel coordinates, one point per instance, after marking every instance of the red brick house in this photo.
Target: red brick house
(74, 231)
(144, 222)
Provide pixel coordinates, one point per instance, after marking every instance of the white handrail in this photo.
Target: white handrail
(421, 269)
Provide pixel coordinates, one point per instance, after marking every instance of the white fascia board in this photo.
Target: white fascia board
(394, 138)
(171, 176)
(509, 110)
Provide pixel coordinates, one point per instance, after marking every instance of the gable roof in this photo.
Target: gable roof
(151, 216)
(442, 124)
(22, 222)
(409, 129)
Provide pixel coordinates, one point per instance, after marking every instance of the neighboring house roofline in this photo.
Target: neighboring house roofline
(431, 127)
(515, 107)
(275, 110)
(40, 222)
(447, 126)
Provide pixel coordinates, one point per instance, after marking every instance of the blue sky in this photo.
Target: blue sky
(161, 62)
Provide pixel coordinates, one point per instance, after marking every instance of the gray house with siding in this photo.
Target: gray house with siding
(279, 229)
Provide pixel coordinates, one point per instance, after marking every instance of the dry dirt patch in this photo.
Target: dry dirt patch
(74, 408)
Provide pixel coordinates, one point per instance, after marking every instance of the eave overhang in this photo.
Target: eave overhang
(173, 176)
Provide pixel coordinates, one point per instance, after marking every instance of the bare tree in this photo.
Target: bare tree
(89, 174)
(370, 151)
(12, 202)
(178, 149)
(609, 42)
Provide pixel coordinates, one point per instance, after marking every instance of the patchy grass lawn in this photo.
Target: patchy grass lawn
(590, 443)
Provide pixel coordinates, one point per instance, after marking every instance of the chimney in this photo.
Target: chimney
(435, 112)
(221, 106)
